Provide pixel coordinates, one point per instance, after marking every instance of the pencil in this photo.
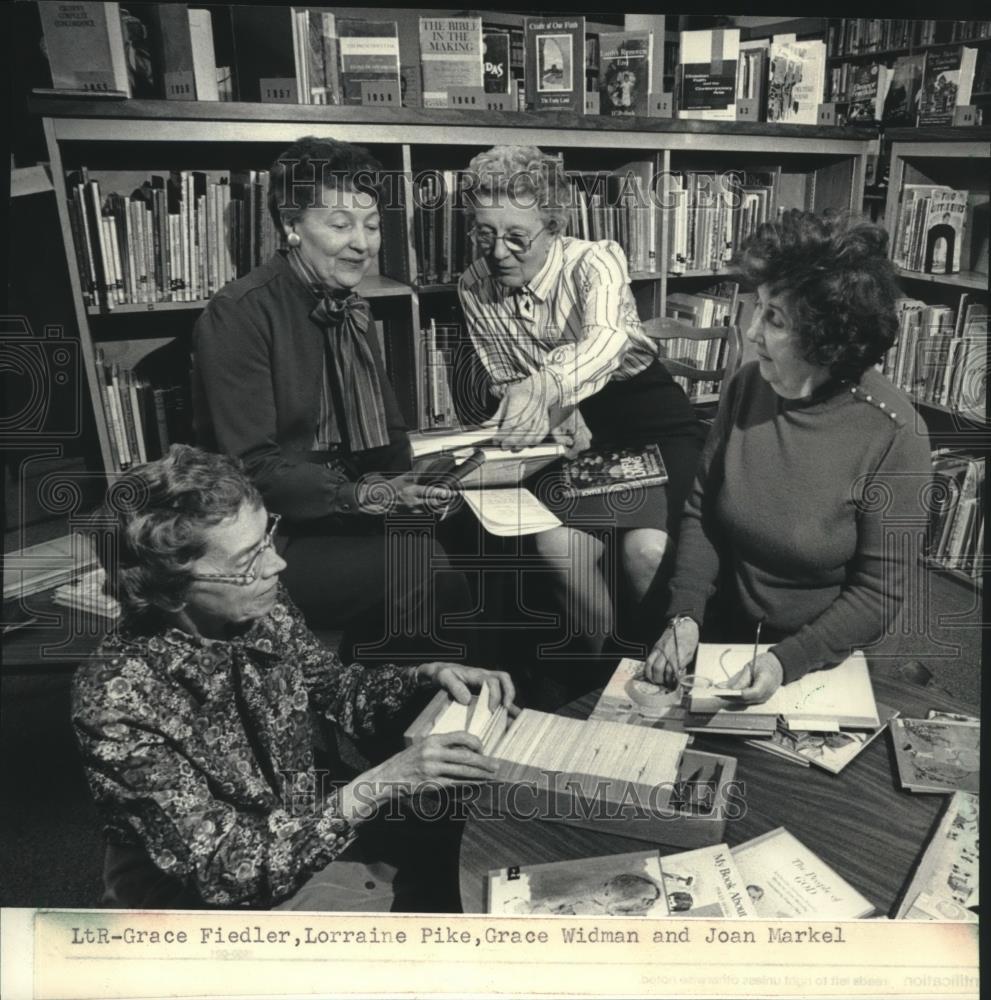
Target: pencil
(756, 643)
(677, 656)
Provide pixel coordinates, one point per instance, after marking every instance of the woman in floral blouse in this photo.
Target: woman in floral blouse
(194, 720)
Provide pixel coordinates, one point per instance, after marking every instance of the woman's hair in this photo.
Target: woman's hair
(521, 176)
(160, 510)
(840, 283)
(310, 166)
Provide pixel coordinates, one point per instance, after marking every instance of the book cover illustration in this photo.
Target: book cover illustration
(796, 74)
(947, 79)
(946, 884)
(901, 105)
(495, 62)
(944, 231)
(450, 56)
(935, 755)
(624, 72)
(628, 697)
(706, 883)
(784, 879)
(867, 91)
(612, 469)
(554, 72)
(369, 53)
(627, 885)
(708, 74)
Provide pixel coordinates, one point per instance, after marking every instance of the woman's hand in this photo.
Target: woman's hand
(408, 492)
(522, 419)
(758, 680)
(459, 681)
(671, 655)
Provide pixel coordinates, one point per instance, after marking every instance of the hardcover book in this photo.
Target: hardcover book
(947, 79)
(624, 72)
(450, 56)
(619, 885)
(614, 469)
(85, 46)
(784, 879)
(796, 76)
(751, 74)
(944, 231)
(708, 74)
(901, 104)
(937, 755)
(706, 883)
(496, 75)
(369, 54)
(867, 91)
(555, 64)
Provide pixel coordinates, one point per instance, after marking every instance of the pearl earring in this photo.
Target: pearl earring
(293, 239)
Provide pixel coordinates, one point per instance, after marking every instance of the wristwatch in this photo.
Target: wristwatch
(678, 619)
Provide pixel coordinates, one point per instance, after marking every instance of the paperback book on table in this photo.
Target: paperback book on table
(624, 72)
(554, 72)
(937, 755)
(708, 74)
(450, 56)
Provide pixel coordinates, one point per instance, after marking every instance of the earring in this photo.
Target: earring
(293, 239)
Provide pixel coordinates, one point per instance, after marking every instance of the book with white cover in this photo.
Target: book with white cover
(510, 512)
(706, 883)
(783, 878)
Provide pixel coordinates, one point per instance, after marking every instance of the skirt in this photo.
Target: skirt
(650, 408)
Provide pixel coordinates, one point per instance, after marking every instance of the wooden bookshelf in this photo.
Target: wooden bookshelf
(962, 279)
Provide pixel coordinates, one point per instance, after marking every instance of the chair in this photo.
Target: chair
(676, 341)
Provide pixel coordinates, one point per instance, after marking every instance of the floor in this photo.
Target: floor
(49, 831)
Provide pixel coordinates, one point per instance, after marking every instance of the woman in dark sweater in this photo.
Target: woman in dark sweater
(288, 378)
(807, 504)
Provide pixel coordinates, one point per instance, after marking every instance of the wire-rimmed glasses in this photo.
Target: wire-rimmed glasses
(485, 239)
(250, 575)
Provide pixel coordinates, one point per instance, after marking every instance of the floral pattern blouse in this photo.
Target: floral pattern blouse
(203, 750)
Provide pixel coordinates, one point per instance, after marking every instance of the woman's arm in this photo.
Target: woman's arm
(890, 522)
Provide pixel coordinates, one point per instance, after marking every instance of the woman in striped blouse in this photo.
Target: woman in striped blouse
(555, 325)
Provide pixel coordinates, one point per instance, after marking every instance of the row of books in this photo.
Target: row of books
(956, 526)
(940, 356)
(143, 419)
(175, 238)
(916, 89)
(857, 35)
(719, 306)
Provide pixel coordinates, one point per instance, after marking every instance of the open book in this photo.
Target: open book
(824, 700)
(510, 511)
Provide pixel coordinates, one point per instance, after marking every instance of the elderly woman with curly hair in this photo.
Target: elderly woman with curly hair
(555, 325)
(196, 720)
(784, 510)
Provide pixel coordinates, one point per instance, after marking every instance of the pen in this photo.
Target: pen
(756, 642)
(677, 656)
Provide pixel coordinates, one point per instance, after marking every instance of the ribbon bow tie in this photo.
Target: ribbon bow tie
(332, 311)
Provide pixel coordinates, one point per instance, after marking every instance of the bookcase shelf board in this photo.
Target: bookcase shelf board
(927, 140)
(951, 573)
(962, 279)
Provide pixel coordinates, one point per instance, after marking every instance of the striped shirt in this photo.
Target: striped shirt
(575, 321)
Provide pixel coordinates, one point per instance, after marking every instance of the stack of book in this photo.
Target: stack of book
(956, 520)
(88, 593)
(45, 565)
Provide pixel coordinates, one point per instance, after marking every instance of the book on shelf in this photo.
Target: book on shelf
(830, 751)
(554, 74)
(620, 885)
(441, 226)
(937, 755)
(932, 224)
(785, 880)
(450, 56)
(496, 72)
(624, 72)
(265, 51)
(204, 56)
(796, 77)
(85, 46)
(867, 91)
(369, 53)
(956, 516)
(709, 61)
(316, 56)
(751, 74)
(613, 470)
(947, 80)
(946, 882)
(45, 565)
(839, 697)
(706, 883)
(901, 103)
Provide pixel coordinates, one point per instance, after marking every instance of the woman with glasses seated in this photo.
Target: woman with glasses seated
(555, 325)
(195, 725)
(288, 378)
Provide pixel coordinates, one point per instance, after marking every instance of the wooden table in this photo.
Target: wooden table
(860, 821)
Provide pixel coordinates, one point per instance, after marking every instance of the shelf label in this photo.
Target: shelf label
(660, 106)
(827, 114)
(499, 102)
(180, 85)
(380, 94)
(966, 114)
(279, 90)
(747, 109)
(466, 98)
(592, 102)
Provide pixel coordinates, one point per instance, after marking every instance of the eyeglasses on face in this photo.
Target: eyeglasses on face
(250, 575)
(485, 238)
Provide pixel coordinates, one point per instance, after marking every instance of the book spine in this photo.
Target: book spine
(79, 243)
(139, 430)
(113, 396)
(161, 423)
(589, 491)
(127, 417)
(103, 377)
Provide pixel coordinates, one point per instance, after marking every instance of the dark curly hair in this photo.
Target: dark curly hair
(159, 510)
(311, 165)
(840, 281)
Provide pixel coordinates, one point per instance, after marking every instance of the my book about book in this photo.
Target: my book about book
(613, 469)
(496, 75)
(85, 47)
(796, 76)
(708, 74)
(901, 104)
(784, 879)
(946, 882)
(555, 64)
(369, 52)
(619, 885)
(937, 755)
(450, 56)
(624, 72)
(706, 883)
(947, 79)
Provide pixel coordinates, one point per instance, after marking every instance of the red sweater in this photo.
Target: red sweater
(817, 506)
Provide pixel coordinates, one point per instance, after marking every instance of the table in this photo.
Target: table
(860, 821)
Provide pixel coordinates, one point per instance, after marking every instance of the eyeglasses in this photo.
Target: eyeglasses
(516, 243)
(250, 575)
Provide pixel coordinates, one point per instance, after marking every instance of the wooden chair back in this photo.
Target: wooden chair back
(664, 330)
